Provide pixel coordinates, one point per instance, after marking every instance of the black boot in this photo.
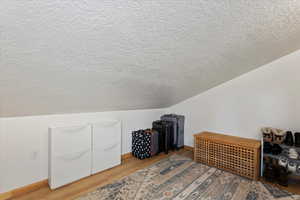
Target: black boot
(269, 174)
(289, 140)
(283, 176)
(268, 160)
(267, 147)
(269, 171)
(297, 139)
(276, 149)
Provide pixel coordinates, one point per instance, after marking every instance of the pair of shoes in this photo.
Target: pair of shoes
(276, 171)
(274, 149)
(281, 171)
(289, 139)
(270, 169)
(273, 135)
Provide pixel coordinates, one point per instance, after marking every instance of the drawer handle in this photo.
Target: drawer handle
(74, 157)
(111, 147)
(74, 129)
(106, 124)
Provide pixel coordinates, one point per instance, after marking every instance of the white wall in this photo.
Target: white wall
(1, 154)
(24, 142)
(268, 96)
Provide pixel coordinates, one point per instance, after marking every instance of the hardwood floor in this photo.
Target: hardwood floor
(128, 166)
(293, 187)
(82, 186)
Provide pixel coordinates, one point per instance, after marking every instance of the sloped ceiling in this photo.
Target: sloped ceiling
(64, 56)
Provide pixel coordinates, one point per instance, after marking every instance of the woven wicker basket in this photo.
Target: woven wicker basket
(234, 154)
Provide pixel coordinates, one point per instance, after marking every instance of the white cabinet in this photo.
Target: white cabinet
(70, 154)
(79, 151)
(106, 145)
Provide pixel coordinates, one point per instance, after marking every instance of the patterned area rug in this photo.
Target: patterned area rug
(180, 178)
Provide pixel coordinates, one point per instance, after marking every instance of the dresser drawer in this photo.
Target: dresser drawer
(70, 139)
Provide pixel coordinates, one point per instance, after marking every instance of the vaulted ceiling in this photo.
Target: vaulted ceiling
(88, 55)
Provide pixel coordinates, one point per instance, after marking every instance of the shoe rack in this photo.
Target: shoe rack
(280, 160)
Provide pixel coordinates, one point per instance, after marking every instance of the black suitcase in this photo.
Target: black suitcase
(178, 129)
(164, 128)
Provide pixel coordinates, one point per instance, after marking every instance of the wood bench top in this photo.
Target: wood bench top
(233, 140)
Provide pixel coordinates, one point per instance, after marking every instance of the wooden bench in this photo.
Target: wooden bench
(237, 155)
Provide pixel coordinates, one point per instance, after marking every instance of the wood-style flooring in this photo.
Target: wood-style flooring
(127, 167)
(82, 186)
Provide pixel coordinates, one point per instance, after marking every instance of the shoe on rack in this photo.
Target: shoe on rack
(297, 139)
(267, 134)
(283, 162)
(278, 135)
(289, 140)
(293, 153)
(267, 147)
(269, 173)
(292, 167)
(298, 169)
(276, 149)
(283, 176)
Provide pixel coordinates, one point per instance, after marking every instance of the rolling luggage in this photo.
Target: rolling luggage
(141, 144)
(173, 134)
(178, 129)
(154, 141)
(145, 143)
(164, 129)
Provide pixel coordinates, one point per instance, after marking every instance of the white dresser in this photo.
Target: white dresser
(78, 151)
(106, 143)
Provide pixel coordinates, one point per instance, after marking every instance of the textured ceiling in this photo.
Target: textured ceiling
(63, 56)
